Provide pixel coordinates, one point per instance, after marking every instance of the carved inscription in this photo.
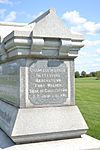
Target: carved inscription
(48, 82)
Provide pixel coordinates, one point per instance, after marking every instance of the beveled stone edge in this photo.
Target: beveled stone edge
(48, 136)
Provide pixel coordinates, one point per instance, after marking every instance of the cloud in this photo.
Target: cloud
(98, 51)
(91, 43)
(96, 65)
(98, 60)
(92, 27)
(82, 53)
(6, 2)
(7, 18)
(2, 13)
(81, 24)
(73, 17)
(88, 65)
(10, 17)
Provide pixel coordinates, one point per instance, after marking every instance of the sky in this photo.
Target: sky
(79, 16)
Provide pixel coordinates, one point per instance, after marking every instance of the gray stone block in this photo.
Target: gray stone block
(36, 83)
(85, 142)
(41, 124)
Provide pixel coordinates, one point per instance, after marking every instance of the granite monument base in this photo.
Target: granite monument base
(41, 124)
(85, 142)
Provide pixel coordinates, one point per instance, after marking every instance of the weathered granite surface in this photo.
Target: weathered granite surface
(37, 100)
(41, 124)
(84, 143)
(35, 82)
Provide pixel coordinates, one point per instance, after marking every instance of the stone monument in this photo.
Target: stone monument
(37, 98)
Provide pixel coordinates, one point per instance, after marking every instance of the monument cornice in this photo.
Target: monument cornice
(45, 37)
(24, 43)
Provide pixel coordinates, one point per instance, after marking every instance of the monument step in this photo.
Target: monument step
(84, 143)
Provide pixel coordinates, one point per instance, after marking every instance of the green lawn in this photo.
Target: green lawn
(88, 99)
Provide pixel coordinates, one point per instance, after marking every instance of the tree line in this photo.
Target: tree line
(83, 74)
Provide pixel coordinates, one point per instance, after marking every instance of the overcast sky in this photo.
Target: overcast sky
(79, 16)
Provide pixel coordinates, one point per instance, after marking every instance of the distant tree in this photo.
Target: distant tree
(98, 75)
(83, 74)
(93, 74)
(77, 74)
(88, 75)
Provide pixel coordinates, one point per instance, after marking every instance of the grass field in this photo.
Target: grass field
(88, 99)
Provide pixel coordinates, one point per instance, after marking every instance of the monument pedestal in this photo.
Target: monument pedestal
(41, 124)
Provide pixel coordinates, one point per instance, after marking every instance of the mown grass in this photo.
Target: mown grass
(88, 99)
